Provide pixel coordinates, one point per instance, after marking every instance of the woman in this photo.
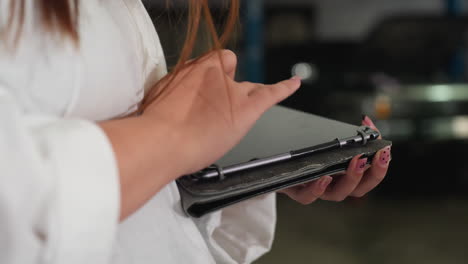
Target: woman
(76, 160)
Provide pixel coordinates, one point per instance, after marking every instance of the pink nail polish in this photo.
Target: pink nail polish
(368, 122)
(361, 164)
(385, 156)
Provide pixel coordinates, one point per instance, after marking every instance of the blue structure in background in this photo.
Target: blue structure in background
(254, 44)
(454, 7)
(457, 69)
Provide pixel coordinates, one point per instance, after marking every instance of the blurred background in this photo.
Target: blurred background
(402, 62)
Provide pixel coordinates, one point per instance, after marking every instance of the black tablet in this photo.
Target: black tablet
(280, 131)
(283, 134)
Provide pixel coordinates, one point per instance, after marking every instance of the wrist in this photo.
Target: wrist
(165, 144)
(178, 146)
(146, 153)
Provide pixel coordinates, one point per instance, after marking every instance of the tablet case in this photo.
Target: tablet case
(278, 131)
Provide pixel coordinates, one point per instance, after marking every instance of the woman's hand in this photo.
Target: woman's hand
(357, 182)
(202, 115)
(210, 112)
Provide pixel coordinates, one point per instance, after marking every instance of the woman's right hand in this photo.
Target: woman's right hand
(209, 112)
(203, 115)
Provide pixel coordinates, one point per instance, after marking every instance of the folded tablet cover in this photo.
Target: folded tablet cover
(280, 130)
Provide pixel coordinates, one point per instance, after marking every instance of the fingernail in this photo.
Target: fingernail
(325, 182)
(369, 122)
(296, 78)
(361, 164)
(363, 117)
(385, 156)
(366, 120)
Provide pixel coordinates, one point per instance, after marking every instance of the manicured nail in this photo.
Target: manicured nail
(361, 164)
(366, 120)
(385, 156)
(369, 122)
(325, 182)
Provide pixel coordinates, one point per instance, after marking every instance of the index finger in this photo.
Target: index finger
(262, 97)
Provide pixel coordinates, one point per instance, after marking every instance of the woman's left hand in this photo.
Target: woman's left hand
(359, 179)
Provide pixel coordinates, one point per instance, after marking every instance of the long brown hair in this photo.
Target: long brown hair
(56, 16)
(199, 12)
(62, 16)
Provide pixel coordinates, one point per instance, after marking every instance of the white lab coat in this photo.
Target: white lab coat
(59, 188)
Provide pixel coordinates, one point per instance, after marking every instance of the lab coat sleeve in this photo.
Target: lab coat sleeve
(59, 191)
(241, 233)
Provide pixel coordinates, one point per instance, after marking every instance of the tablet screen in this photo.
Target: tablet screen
(281, 130)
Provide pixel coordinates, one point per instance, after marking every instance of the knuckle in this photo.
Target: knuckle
(307, 201)
(229, 55)
(378, 174)
(338, 198)
(341, 199)
(306, 197)
(278, 91)
(283, 88)
(266, 93)
(359, 194)
(316, 191)
(355, 176)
